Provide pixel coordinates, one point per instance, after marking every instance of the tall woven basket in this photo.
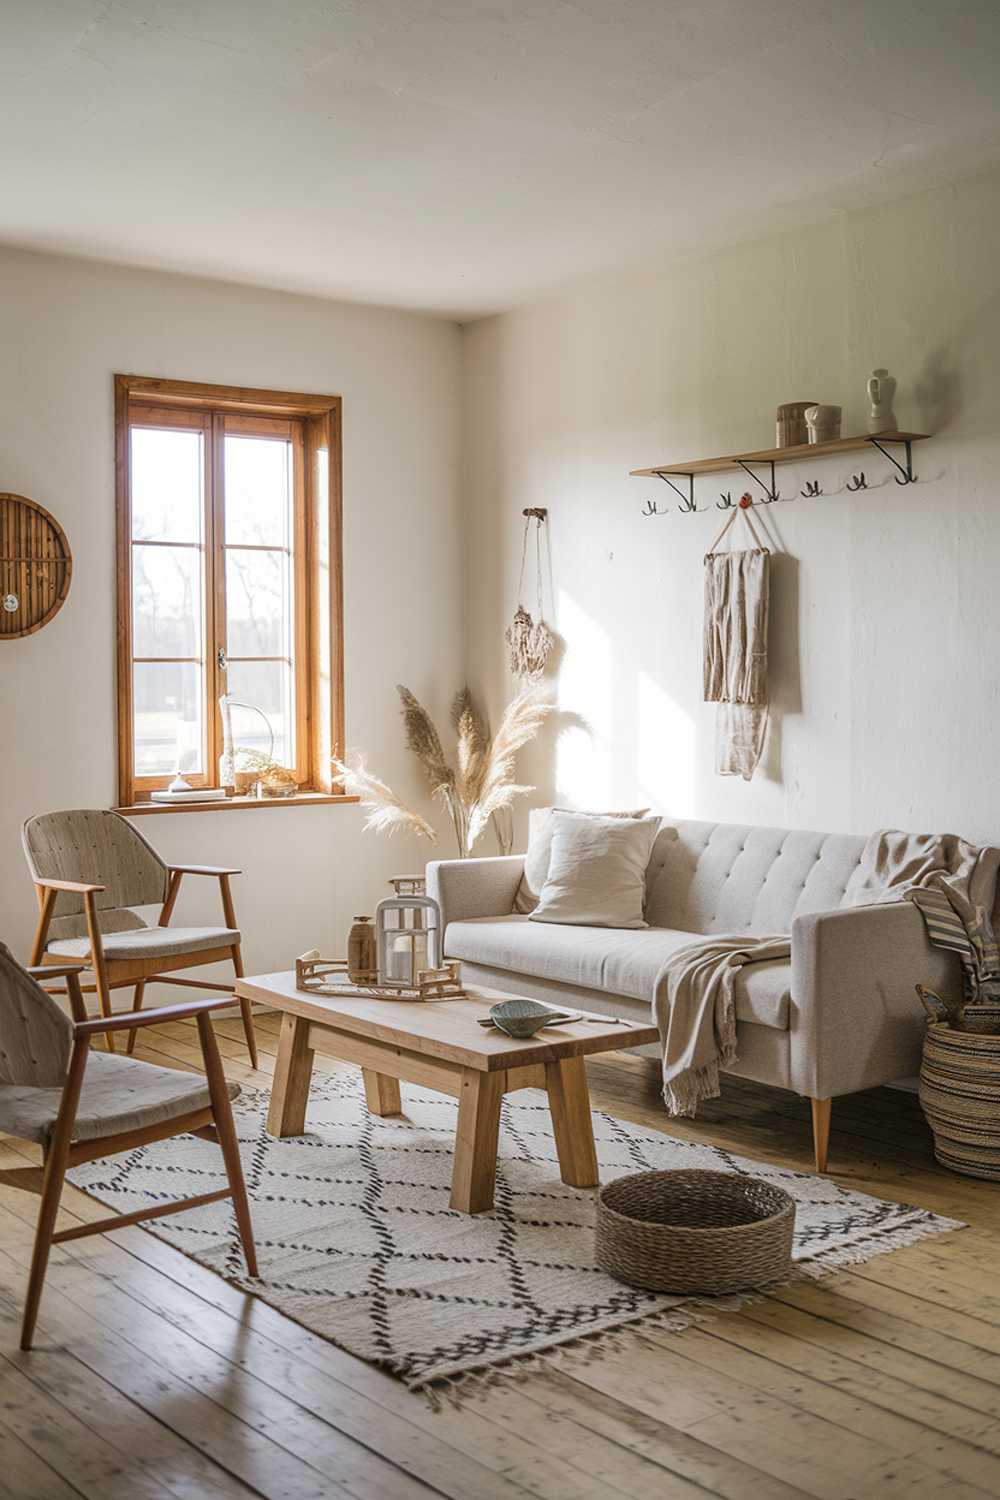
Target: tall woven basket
(960, 1094)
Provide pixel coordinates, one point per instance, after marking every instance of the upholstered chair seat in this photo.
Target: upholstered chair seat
(149, 942)
(118, 1094)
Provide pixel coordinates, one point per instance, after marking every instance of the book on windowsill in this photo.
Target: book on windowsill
(193, 794)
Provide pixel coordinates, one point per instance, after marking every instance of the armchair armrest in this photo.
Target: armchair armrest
(202, 870)
(81, 887)
(855, 1020)
(465, 888)
(54, 971)
(130, 1020)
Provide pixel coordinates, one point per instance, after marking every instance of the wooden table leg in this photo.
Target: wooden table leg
(381, 1093)
(572, 1126)
(286, 1114)
(474, 1174)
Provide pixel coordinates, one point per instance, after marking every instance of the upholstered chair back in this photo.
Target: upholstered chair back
(99, 847)
(35, 1035)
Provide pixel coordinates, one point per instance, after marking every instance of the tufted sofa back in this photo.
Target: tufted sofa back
(723, 877)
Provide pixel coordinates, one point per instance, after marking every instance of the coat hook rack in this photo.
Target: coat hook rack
(760, 466)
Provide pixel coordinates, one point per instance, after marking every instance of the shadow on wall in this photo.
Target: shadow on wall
(784, 666)
(938, 391)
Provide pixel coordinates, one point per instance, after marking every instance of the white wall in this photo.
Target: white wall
(885, 638)
(65, 327)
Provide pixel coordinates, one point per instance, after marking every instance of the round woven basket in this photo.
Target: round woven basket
(693, 1231)
(960, 1094)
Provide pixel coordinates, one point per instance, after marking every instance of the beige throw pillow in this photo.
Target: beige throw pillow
(597, 871)
(536, 861)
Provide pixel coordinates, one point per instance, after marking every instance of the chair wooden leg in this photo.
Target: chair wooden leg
(56, 1160)
(97, 963)
(222, 1112)
(246, 1006)
(821, 1109)
(136, 1005)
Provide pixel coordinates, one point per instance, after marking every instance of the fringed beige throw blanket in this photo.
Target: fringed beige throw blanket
(735, 656)
(694, 1002)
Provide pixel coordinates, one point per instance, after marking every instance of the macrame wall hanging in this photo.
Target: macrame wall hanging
(737, 588)
(530, 641)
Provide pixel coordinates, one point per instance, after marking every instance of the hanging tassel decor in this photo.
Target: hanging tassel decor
(530, 642)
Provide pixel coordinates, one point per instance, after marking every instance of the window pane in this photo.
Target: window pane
(258, 491)
(167, 484)
(268, 686)
(167, 706)
(167, 607)
(258, 603)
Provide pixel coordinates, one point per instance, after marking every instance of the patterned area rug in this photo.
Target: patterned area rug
(356, 1240)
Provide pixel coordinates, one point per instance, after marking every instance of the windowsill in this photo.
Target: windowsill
(301, 799)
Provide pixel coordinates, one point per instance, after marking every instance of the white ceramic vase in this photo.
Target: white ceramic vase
(881, 390)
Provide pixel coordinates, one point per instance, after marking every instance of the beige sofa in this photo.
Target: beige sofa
(841, 1015)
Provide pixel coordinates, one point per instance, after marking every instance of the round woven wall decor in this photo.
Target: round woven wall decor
(35, 566)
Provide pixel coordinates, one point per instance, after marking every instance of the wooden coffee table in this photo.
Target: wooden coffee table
(439, 1045)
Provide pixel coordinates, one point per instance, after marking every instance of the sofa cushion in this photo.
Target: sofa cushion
(620, 961)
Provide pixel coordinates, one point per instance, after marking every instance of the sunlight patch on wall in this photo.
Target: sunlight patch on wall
(665, 751)
(586, 689)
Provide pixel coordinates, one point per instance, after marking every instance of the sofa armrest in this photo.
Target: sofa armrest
(465, 888)
(856, 1021)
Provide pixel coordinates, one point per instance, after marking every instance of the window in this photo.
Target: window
(229, 582)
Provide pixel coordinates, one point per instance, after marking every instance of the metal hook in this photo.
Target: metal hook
(726, 502)
(857, 482)
(811, 490)
(652, 509)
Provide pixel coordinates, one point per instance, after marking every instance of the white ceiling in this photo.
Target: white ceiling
(461, 156)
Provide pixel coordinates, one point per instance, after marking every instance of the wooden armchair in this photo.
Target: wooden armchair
(90, 869)
(80, 1105)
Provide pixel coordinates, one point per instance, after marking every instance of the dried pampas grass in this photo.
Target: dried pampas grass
(385, 811)
(482, 789)
(522, 719)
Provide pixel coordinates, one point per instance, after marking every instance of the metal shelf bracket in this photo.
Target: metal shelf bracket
(770, 491)
(908, 476)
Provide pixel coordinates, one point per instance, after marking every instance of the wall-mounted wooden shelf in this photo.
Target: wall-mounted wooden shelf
(779, 455)
(773, 456)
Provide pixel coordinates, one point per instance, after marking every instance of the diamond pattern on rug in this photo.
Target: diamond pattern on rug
(356, 1239)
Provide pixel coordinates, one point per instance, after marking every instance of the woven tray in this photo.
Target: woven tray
(694, 1231)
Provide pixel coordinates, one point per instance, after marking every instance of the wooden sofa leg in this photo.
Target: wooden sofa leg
(821, 1130)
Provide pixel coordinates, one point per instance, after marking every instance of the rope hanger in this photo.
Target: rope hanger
(744, 511)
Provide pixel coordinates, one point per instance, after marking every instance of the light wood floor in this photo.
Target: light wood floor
(153, 1378)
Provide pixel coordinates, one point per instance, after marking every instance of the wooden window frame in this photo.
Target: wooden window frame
(317, 555)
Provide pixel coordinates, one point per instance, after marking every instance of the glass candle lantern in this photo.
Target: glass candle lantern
(407, 936)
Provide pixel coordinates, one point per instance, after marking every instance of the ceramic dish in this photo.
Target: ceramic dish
(522, 1018)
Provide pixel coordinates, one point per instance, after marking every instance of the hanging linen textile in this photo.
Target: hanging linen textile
(735, 658)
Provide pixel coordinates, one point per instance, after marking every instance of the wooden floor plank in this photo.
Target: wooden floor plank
(23, 1473)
